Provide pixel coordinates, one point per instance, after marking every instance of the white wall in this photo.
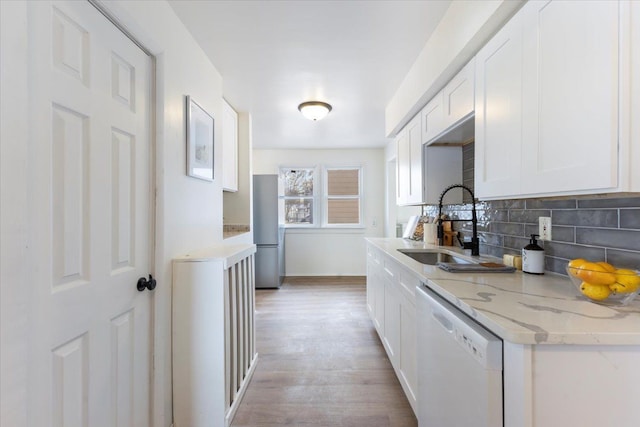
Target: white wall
(189, 211)
(464, 29)
(333, 251)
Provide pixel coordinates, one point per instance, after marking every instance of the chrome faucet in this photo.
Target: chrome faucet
(474, 245)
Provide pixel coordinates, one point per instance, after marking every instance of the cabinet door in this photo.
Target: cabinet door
(570, 88)
(432, 118)
(403, 168)
(391, 319)
(229, 148)
(409, 164)
(407, 361)
(371, 302)
(375, 289)
(631, 152)
(498, 113)
(378, 289)
(414, 135)
(373, 275)
(408, 349)
(458, 96)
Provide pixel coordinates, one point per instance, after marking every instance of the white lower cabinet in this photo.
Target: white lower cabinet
(543, 385)
(391, 306)
(391, 336)
(375, 288)
(407, 359)
(571, 385)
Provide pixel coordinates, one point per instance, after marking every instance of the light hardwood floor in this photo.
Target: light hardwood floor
(320, 361)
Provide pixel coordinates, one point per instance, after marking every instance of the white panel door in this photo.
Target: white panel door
(90, 342)
(570, 128)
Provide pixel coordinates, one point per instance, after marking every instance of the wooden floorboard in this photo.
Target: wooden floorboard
(320, 360)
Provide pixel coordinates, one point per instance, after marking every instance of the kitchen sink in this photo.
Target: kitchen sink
(433, 257)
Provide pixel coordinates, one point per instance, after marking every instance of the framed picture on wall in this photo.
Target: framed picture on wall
(200, 141)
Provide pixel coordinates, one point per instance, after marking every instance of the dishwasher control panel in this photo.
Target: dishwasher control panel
(469, 344)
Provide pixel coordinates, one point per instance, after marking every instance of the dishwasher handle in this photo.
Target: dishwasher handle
(443, 321)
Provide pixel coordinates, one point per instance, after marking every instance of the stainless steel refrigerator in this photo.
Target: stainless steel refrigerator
(267, 234)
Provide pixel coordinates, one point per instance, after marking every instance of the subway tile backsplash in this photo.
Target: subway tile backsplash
(597, 229)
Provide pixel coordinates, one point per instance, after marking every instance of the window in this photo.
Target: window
(298, 195)
(342, 196)
(337, 204)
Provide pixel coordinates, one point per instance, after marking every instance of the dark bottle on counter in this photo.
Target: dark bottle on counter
(533, 257)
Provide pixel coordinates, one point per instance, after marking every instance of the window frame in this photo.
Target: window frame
(320, 197)
(326, 197)
(314, 197)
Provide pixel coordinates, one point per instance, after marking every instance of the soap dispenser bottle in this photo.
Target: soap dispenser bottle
(533, 257)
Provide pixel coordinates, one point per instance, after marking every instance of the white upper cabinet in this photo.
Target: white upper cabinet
(432, 118)
(458, 96)
(229, 148)
(571, 65)
(548, 92)
(498, 113)
(629, 157)
(403, 168)
(414, 135)
(424, 171)
(409, 164)
(447, 118)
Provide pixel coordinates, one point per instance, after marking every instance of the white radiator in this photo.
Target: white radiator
(213, 332)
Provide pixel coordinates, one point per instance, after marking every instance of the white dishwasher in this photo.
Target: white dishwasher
(459, 367)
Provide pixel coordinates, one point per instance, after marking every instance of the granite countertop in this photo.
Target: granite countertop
(523, 308)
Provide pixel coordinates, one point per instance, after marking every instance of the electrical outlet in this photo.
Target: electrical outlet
(545, 228)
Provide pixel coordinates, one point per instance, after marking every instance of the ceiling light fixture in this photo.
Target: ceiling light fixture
(314, 110)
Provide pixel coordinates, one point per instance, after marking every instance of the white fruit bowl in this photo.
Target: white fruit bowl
(601, 286)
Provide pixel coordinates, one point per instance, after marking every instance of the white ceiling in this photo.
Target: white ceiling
(273, 55)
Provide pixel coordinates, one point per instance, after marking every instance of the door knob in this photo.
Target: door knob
(146, 284)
